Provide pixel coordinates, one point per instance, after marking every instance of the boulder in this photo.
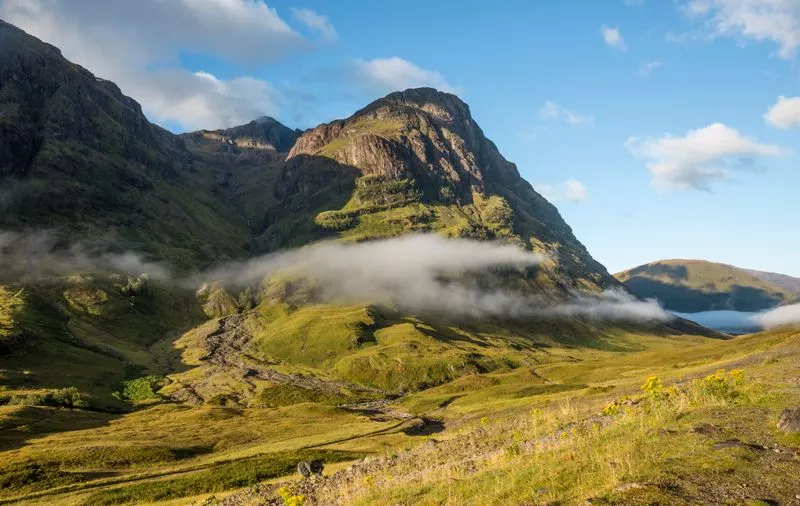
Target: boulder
(790, 421)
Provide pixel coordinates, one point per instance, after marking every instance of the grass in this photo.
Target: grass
(692, 442)
(166, 451)
(149, 449)
(218, 478)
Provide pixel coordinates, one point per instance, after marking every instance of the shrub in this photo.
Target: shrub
(721, 385)
(612, 408)
(135, 286)
(66, 397)
(289, 498)
(653, 388)
(69, 397)
(141, 389)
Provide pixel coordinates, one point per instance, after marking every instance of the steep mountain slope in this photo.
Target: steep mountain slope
(417, 161)
(690, 286)
(78, 156)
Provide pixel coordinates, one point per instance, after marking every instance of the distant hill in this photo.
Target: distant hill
(788, 283)
(690, 286)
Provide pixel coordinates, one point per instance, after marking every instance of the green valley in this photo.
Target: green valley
(204, 318)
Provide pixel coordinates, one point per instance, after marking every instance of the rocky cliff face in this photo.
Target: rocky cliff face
(418, 133)
(79, 157)
(48, 104)
(422, 163)
(76, 154)
(264, 134)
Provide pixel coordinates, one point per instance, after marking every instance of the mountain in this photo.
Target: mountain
(788, 283)
(690, 286)
(417, 161)
(142, 376)
(78, 157)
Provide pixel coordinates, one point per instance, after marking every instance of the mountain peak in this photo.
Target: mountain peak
(265, 133)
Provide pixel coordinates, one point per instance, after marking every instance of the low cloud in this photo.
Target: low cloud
(429, 274)
(699, 158)
(423, 274)
(36, 255)
(779, 317)
(551, 110)
(613, 38)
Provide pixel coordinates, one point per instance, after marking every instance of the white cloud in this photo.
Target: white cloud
(425, 274)
(137, 44)
(781, 316)
(699, 158)
(646, 68)
(316, 22)
(777, 21)
(571, 189)
(551, 110)
(785, 113)
(613, 38)
(396, 74)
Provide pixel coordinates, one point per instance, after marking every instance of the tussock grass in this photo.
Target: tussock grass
(667, 442)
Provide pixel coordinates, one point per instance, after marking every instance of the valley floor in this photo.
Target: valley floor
(577, 429)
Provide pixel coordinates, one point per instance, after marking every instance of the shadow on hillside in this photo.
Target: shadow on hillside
(674, 272)
(306, 186)
(22, 426)
(687, 300)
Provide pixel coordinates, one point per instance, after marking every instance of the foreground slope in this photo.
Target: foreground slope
(690, 286)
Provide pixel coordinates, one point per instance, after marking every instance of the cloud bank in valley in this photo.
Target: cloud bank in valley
(780, 316)
(417, 273)
(428, 273)
(40, 254)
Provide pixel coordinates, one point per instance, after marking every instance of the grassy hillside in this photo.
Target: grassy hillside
(788, 283)
(697, 285)
(562, 416)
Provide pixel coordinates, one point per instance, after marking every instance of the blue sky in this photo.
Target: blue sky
(645, 121)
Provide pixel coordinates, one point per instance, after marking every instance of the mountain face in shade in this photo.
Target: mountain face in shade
(77, 156)
(264, 133)
(690, 286)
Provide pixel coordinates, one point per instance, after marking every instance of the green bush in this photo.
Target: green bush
(141, 389)
(69, 397)
(135, 286)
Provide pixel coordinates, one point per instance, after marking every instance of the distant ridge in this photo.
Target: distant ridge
(690, 286)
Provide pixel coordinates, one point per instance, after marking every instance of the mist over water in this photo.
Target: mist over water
(744, 322)
(730, 322)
